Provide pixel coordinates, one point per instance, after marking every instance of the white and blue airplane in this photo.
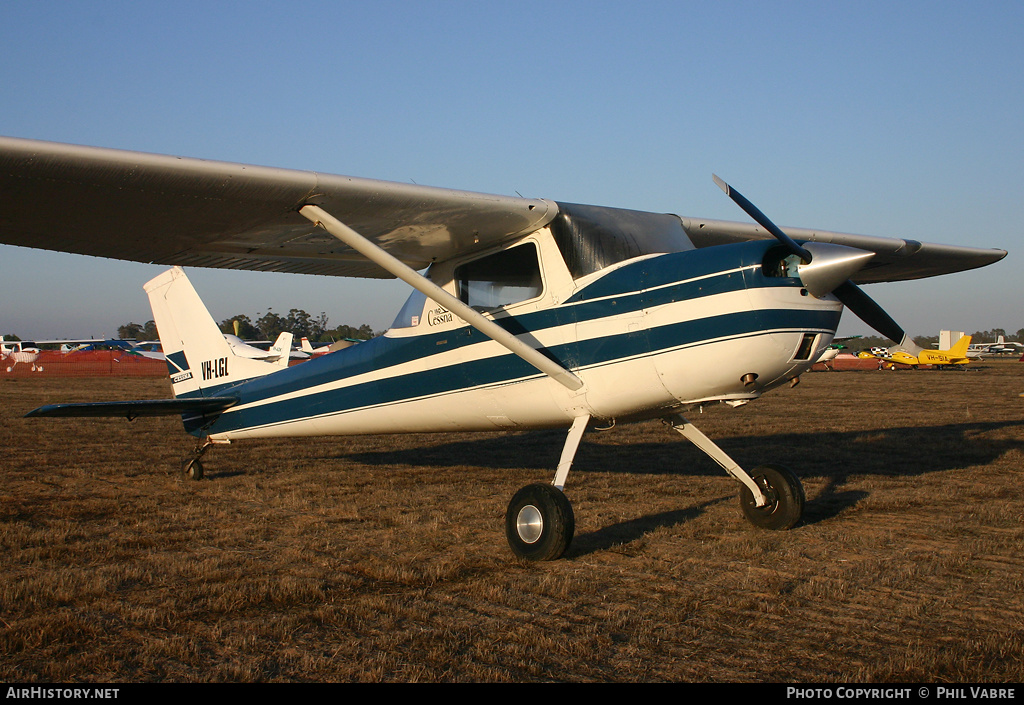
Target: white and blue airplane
(525, 313)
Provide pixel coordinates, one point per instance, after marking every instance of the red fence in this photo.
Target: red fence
(84, 363)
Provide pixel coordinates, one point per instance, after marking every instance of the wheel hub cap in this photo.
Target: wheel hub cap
(529, 524)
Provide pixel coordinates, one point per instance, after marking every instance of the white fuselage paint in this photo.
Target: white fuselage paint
(643, 384)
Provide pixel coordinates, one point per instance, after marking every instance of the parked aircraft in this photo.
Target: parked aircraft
(27, 352)
(15, 351)
(531, 314)
(307, 347)
(149, 348)
(128, 346)
(956, 356)
(1000, 346)
(280, 352)
(837, 346)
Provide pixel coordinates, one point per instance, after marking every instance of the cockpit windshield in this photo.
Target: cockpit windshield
(591, 238)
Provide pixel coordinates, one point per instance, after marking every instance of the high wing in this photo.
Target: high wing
(895, 259)
(192, 212)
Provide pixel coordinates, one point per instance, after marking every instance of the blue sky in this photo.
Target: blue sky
(899, 119)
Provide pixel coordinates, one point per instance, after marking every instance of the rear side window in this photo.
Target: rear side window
(500, 279)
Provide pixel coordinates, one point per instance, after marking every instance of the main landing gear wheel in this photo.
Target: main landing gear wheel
(785, 497)
(193, 469)
(539, 523)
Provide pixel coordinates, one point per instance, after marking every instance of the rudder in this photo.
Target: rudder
(198, 356)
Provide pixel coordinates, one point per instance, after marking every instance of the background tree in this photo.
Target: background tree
(129, 331)
(266, 327)
(246, 329)
(302, 325)
(134, 331)
(363, 332)
(270, 325)
(988, 336)
(866, 342)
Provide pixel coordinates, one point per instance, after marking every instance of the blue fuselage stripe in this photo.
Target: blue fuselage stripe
(658, 276)
(509, 368)
(592, 303)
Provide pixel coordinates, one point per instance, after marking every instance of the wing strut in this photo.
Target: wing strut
(483, 324)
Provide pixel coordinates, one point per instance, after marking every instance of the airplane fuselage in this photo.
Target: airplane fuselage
(15, 351)
(646, 336)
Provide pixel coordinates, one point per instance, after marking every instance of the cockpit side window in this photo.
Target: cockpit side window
(500, 279)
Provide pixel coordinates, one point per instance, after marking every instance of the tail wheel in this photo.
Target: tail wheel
(785, 495)
(539, 523)
(193, 469)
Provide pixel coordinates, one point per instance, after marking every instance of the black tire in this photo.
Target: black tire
(193, 469)
(785, 496)
(539, 523)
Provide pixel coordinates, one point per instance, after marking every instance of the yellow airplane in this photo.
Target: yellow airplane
(956, 355)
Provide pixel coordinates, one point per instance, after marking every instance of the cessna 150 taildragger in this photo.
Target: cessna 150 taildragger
(531, 313)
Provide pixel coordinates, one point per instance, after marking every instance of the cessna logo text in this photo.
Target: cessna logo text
(437, 316)
(215, 369)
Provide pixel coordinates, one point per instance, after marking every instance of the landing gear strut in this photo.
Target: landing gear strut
(771, 495)
(193, 466)
(539, 521)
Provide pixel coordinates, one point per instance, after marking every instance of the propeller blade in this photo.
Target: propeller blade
(865, 308)
(762, 220)
(851, 295)
(854, 298)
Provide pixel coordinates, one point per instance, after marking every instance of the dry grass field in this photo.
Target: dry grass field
(384, 559)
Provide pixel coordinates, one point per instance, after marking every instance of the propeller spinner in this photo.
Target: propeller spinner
(827, 268)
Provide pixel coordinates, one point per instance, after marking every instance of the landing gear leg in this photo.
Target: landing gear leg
(771, 497)
(193, 466)
(539, 521)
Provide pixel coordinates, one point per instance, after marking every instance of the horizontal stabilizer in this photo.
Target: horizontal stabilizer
(134, 409)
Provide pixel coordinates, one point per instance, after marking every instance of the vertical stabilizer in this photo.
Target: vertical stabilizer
(282, 349)
(960, 349)
(198, 356)
(955, 355)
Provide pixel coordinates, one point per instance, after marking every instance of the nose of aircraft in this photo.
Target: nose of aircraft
(830, 266)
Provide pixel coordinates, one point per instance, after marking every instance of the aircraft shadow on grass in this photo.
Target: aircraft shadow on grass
(907, 451)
